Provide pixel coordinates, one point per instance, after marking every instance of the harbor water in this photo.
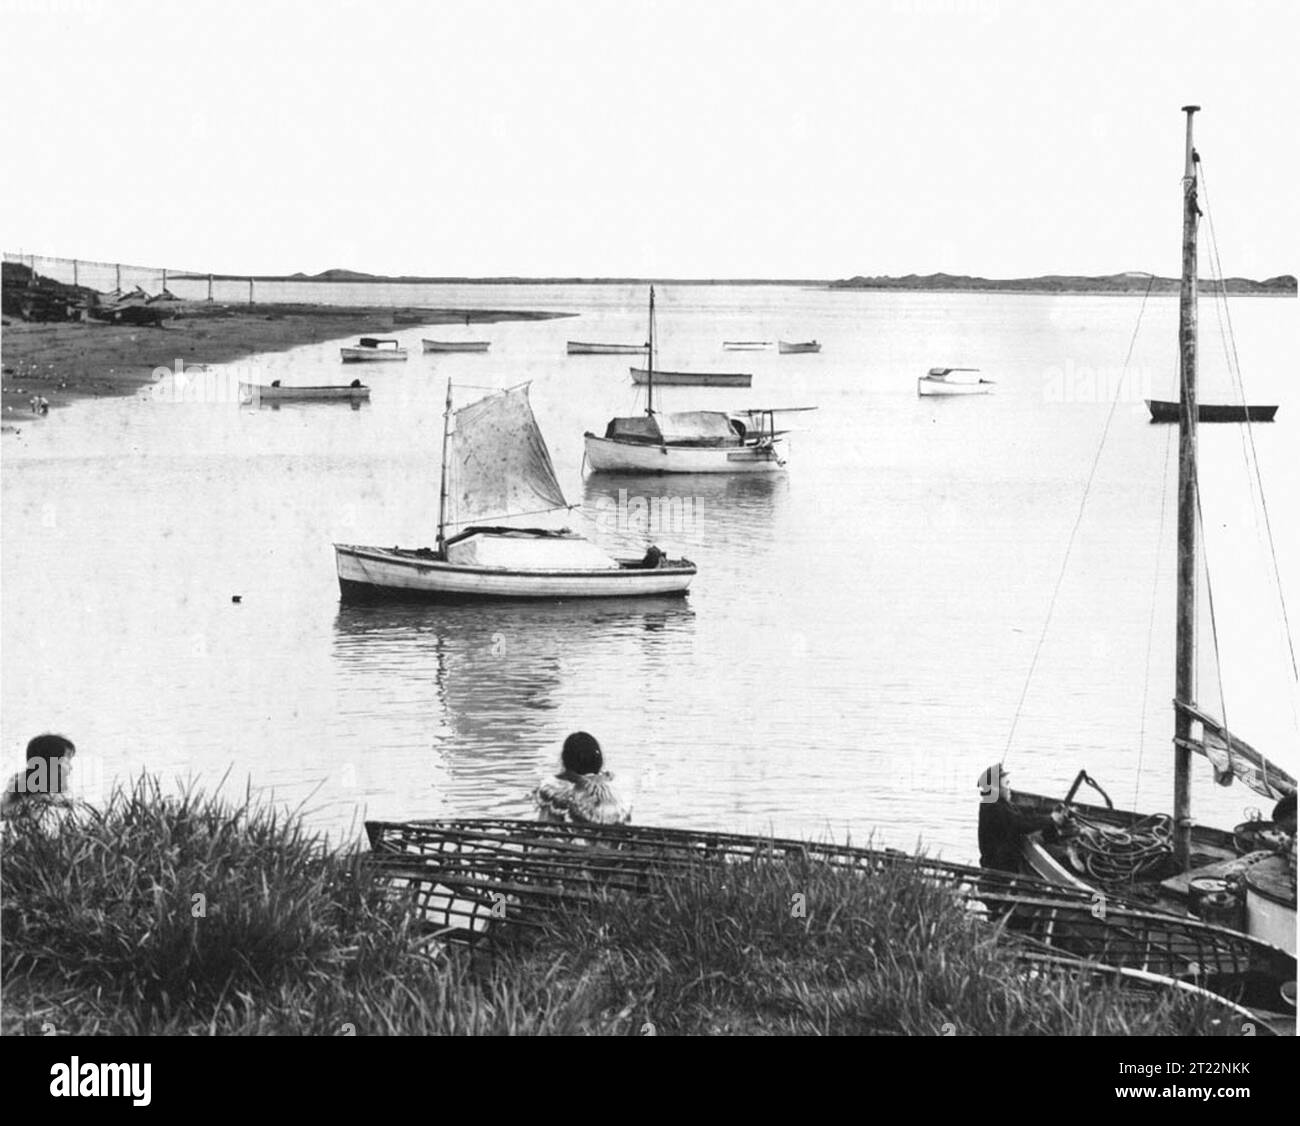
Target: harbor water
(855, 649)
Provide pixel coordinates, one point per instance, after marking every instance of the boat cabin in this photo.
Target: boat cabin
(679, 428)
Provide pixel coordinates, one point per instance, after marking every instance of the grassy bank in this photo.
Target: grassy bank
(194, 914)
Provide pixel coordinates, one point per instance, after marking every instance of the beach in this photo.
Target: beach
(63, 362)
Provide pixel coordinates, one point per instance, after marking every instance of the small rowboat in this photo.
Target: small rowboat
(953, 381)
(693, 378)
(582, 348)
(786, 348)
(263, 392)
(372, 348)
(456, 345)
(746, 345)
(1163, 411)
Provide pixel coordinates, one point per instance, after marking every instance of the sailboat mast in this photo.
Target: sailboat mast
(442, 495)
(1185, 635)
(650, 359)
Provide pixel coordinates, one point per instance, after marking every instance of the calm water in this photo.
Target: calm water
(851, 654)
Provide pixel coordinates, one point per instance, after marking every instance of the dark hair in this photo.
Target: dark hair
(582, 754)
(46, 765)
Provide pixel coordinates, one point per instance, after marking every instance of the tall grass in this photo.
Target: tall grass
(197, 914)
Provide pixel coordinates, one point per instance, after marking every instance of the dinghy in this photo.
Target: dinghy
(644, 377)
(582, 348)
(276, 392)
(788, 348)
(456, 345)
(1165, 411)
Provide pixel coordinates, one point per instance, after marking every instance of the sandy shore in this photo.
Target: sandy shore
(64, 362)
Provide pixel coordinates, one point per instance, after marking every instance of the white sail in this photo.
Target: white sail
(498, 465)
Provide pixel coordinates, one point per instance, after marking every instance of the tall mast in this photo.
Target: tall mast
(1185, 638)
(650, 359)
(442, 496)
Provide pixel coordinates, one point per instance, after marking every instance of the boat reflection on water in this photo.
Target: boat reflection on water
(493, 688)
(681, 512)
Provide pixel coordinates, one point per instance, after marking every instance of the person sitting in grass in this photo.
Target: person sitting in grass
(582, 793)
(43, 786)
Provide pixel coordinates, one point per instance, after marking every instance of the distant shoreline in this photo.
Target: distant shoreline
(1135, 283)
(64, 362)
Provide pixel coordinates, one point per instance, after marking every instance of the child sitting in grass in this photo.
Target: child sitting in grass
(42, 788)
(582, 793)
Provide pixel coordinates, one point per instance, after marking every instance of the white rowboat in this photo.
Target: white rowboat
(581, 348)
(456, 345)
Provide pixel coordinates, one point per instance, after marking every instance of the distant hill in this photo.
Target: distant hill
(1131, 282)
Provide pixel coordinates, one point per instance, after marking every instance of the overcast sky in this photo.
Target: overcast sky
(670, 138)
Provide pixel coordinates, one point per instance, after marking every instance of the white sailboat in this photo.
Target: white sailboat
(501, 526)
(1236, 878)
(685, 441)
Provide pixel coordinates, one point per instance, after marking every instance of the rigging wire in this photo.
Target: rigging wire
(1078, 519)
(1209, 594)
(1151, 621)
(1250, 430)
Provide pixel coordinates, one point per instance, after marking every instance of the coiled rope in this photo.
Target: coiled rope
(1114, 856)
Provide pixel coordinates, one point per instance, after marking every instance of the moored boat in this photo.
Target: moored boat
(789, 348)
(496, 472)
(276, 392)
(456, 345)
(583, 348)
(373, 349)
(953, 381)
(1241, 880)
(746, 345)
(684, 441)
(643, 377)
(1164, 411)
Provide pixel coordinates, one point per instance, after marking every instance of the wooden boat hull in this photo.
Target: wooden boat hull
(582, 348)
(1269, 919)
(1164, 411)
(794, 349)
(746, 345)
(371, 355)
(253, 392)
(380, 574)
(926, 387)
(605, 455)
(693, 378)
(456, 345)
